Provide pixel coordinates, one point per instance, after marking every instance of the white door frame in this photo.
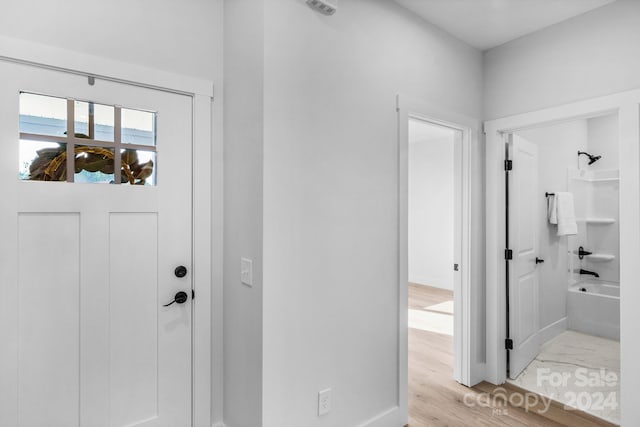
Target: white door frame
(627, 105)
(204, 243)
(408, 108)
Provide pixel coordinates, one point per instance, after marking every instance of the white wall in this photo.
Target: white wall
(591, 55)
(182, 37)
(243, 210)
(179, 37)
(330, 198)
(330, 313)
(558, 147)
(603, 141)
(431, 207)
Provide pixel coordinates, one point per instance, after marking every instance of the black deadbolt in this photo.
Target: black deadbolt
(180, 271)
(181, 297)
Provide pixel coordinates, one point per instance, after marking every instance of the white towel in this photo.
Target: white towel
(552, 208)
(562, 212)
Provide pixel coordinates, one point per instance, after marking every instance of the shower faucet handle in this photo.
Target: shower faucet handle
(582, 253)
(539, 261)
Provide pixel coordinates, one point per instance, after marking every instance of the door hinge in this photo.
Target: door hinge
(508, 165)
(508, 254)
(508, 344)
(193, 294)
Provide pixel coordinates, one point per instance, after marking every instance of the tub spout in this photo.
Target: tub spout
(591, 273)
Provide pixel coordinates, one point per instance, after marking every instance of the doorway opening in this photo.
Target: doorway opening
(563, 275)
(433, 261)
(434, 252)
(436, 351)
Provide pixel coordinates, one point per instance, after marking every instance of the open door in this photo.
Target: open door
(523, 308)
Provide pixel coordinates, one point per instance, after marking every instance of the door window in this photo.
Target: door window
(100, 143)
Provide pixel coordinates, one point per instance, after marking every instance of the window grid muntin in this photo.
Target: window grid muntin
(72, 141)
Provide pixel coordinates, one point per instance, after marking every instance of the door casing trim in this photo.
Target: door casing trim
(56, 58)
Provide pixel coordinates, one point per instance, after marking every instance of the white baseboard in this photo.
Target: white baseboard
(388, 418)
(477, 374)
(553, 330)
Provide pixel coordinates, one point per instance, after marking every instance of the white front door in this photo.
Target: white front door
(86, 268)
(523, 241)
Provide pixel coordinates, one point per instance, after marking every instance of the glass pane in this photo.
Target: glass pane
(42, 161)
(94, 165)
(141, 167)
(138, 127)
(81, 125)
(43, 115)
(93, 121)
(104, 122)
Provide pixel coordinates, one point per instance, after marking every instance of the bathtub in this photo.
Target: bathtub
(593, 307)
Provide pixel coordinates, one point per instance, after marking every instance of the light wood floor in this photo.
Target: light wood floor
(435, 399)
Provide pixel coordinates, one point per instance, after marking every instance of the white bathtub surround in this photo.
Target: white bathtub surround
(596, 195)
(579, 370)
(600, 257)
(593, 307)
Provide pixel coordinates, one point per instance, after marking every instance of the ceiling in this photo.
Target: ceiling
(488, 23)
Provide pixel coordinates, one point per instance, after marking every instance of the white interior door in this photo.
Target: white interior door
(523, 241)
(85, 268)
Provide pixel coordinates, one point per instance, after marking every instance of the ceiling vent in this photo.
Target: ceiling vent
(323, 6)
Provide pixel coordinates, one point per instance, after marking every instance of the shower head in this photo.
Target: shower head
(592, 158)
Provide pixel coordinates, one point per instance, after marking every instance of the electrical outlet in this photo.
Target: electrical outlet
(246, 271)
(324, 402)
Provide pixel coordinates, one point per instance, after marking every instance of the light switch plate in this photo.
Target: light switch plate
(246, 271)
(324, 402)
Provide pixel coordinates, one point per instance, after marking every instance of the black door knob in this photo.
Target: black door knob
(539, 261)
(180, 271)
(181, 297)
